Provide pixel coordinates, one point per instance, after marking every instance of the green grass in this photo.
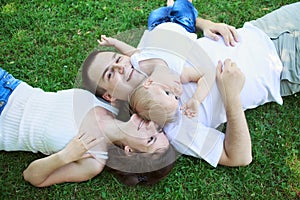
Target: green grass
(44, 44)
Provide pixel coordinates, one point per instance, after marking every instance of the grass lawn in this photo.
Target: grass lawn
(44, 44)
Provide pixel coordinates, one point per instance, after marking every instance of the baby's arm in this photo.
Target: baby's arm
(71, 164)
(119, 45)
(191, 74)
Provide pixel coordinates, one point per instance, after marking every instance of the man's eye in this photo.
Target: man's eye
(118, 59)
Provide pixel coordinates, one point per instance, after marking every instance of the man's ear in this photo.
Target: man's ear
(108, 97)
(147, 82)
(127, 150)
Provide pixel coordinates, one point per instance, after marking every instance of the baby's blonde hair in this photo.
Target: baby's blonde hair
(142, 102)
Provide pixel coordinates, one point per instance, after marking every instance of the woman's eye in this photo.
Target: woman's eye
(150, 139)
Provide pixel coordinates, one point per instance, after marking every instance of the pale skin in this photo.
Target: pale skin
(213, 30)
(159, 68)
(234, 153)
(75, 164)
(237, 145)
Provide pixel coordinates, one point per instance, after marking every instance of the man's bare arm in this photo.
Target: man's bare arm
(237, 149)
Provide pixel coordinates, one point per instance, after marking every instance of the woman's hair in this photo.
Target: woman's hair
(142, 102)
(87, 82)
(140, 168)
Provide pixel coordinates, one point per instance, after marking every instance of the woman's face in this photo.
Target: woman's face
(143, 136)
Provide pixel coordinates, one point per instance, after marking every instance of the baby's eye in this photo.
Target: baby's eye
(109, 75)
(160, 130)
(167, 92)
(177, 97)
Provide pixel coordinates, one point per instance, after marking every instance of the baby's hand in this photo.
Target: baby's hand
(190, 109)
(106, 41)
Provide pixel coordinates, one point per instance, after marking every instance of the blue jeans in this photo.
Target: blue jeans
(7, 85)
(182, 12)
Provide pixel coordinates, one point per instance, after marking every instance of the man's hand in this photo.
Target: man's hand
(213, 31)
(230, 81)
(237, 148)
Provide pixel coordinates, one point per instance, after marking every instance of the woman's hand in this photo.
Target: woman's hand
(71, 164)
(76, 149)
(213, 31)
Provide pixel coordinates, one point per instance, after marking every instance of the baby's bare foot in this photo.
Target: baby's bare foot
(170, 2)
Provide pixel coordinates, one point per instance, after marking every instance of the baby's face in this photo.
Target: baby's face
(165, 96)
(171, 81)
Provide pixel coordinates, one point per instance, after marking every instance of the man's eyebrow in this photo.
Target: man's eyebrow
(113, 58)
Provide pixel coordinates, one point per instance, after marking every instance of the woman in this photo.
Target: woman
(38, 121)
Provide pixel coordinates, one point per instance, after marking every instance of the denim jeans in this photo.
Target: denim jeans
(7, 85)
(182, 12)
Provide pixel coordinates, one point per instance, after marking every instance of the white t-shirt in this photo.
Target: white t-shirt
(255, 54)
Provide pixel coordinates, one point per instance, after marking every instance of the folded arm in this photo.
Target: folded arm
(71, 164)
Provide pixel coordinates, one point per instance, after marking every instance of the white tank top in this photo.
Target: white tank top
(38, 121)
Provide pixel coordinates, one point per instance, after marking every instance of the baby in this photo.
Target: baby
(163, 86)
(157, 98)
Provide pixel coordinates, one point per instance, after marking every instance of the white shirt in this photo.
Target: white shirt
(255, 54)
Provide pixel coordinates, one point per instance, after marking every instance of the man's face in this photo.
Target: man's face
(115, 74)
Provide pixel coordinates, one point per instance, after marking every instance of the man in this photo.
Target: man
(233, 148)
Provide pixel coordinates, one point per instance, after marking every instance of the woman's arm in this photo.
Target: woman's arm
(213, 30)
(71, 164)
(122, 47)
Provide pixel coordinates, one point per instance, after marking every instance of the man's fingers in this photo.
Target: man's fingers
(227, 63)
(219, 67)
